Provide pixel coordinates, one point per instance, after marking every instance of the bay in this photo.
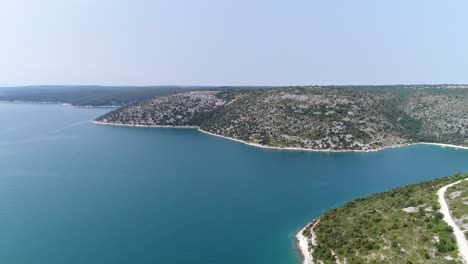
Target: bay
(75, 192)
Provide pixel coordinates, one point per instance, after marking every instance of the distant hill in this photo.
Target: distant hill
(321, 118)
(87, 95)
(94, 95)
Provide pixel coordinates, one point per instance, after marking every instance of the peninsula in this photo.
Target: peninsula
(410, 224)
(311, 117)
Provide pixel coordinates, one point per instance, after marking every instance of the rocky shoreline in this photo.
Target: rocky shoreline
(278, 148)
(245, 142)
(302, 243)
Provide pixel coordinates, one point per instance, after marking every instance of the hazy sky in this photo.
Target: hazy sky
(237, 42)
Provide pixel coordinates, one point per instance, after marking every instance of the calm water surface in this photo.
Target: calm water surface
(74, 192)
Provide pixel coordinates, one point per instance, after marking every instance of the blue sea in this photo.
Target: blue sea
(74, 192)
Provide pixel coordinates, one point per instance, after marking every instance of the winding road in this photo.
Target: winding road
(459, 235)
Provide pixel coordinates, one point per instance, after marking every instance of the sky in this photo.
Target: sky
(233, 42)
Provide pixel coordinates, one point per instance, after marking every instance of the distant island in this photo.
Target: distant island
(326, 118)
(410, 224)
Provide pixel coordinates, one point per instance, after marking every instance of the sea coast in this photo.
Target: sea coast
(305, 237)
(307, 243)
(302, 242)
(280, 148)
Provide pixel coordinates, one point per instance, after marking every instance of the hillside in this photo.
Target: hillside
(402, 225)
(457, 199)
(321, 118)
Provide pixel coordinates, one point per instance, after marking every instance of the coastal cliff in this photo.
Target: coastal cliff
(314, 118)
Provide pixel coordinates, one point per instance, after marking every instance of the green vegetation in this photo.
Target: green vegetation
(402, 225)
(457, 200)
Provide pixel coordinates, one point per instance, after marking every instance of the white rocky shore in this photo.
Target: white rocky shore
(302, 242)
(278, 148)
(444, 145)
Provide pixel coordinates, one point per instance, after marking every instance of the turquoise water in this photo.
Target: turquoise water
(74, 192)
